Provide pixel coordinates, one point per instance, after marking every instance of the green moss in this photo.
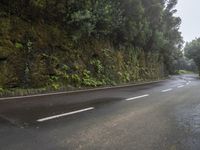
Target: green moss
(18, 45)
(55, 86)
(1, 90)
(184, 72)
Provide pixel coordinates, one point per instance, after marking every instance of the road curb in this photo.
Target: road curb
(80, 91)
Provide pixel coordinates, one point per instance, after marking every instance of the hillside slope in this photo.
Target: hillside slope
(55, 44)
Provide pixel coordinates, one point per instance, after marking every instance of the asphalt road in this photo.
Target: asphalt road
(159, 116)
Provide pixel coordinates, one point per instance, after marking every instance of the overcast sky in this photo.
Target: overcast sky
(189, 11)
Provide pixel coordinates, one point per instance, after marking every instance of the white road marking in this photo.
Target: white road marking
(180, 86)
(133, 98)
(188, 82)
(30, 96)
(167, 90)
(65, 114)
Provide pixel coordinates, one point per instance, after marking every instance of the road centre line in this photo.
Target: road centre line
(180, 86)
(138, 97)
(167, 90)
(65, 114)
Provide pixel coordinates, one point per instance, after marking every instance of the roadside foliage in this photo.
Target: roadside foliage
(86, 43)
(192, 51)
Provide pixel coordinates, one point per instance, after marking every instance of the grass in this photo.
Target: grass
(185, 72)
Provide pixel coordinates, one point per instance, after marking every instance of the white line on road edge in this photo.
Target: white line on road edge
(180, 86)
(66, 114)
(167, 90)
(133, 98)
(77, 91)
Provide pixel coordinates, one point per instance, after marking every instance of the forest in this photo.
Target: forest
(69, 44)
(192, 51)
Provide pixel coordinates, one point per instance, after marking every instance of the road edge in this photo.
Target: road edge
(81, 91)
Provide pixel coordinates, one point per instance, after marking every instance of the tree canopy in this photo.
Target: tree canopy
(192, 51)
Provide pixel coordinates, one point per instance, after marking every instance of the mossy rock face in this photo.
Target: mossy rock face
(5, 26)
(33, 56)
(6, 49)
(8, 77)
(6, 45)
(38, 73)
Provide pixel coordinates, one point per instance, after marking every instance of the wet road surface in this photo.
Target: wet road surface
(159, 116)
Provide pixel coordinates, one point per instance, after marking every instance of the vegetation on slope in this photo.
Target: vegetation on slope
(192, 51)
(80, 43)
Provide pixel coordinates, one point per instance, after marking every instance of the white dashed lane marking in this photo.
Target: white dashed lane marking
(138, 97)
(167, 90)
(65, 114)
(180, 86)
